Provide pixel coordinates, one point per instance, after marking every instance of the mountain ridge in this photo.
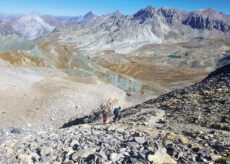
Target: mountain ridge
(162, 21)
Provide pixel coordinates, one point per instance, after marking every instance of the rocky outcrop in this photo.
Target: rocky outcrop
(203, 23)
(90, 16)
(208, 19)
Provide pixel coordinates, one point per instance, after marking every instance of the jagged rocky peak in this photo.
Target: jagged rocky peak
(171, 11)
(89, 15)
(168, 15)
(148, 12)
(210, 12)
(116, 15)
(208, 19)
(172, 15)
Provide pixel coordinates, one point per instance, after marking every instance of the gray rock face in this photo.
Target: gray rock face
(199, 22)
(208, 19)
(90, 16)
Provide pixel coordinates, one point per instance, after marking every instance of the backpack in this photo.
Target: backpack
(105, 113)
(116, 111)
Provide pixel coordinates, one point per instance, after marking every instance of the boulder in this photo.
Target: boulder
(114, 157)
(183, 140)
(170, 136)
(25, 157)
(161, 157)
(46, 151)
(139, 140)
(84, 153)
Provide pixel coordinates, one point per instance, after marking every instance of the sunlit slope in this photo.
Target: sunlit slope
(61, 57)
(15, 42)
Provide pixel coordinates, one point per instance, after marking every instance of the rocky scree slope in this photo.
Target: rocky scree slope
(114, 143)
(136, 137)
(206, 103)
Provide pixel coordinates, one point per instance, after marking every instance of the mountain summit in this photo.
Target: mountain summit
(32, 26)
(89, 17)
(148, 25)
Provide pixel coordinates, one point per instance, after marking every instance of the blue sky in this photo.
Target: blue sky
(80, 7)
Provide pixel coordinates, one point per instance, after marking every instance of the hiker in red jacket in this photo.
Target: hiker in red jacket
(105, 115)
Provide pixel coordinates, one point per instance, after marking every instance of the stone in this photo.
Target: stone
(114, 157)
(9, 150)
(199, 132)
(122, 150)
(161, 157)
(133, 144)
(25, 157)
(46, 151)
(35, 156)
(68, 151)
(33, 145)
(86, 126)
(111, 128)
(102, 154)
(74, 142)
(84, 153)
(134, 160)
(206, 137)
(183, 140)
(170, 136)
(196, 148)
(16, 131)
(215, 157)
(139, 140)
(172, 150)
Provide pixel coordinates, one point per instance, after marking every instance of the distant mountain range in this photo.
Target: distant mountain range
(34, 25)
(149, 25)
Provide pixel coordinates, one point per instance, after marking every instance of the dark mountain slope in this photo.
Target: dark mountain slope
(206, 103)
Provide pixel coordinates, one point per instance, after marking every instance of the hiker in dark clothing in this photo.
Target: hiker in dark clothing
(117, 114)
(105, 115)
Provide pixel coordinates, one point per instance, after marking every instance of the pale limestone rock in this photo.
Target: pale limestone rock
(161, 157)
(25, 157)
